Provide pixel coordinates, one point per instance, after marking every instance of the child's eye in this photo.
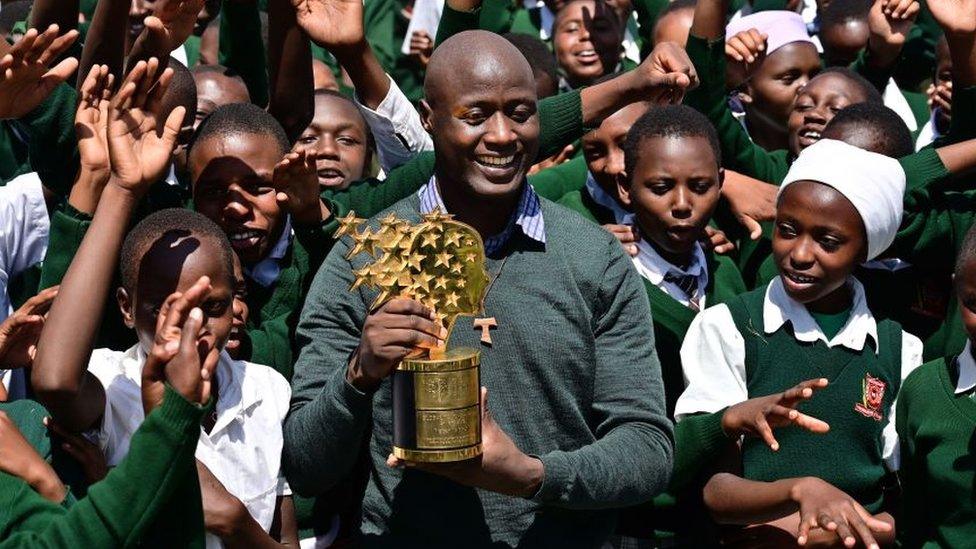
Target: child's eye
(348, 141)
(785, 230)
(660, 188)
(830, 244)
(307, 139)
(701, 187)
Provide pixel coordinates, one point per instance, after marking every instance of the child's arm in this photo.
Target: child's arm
(890, 23)
(165, 30)
(63, 13)
(138, 158)
(706, 48)
(958, 22)
(291, 70)
(105, 40)
(18, 458)
(241, 47)
(26, 79)
(227, 518)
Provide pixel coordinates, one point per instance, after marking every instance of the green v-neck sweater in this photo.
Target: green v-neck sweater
(586, 398)
(937, 429)
(850, 456)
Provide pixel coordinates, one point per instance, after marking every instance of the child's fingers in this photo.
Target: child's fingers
(766, 432)
(207, 373)
(19, 50)
(58, 46)
(37, 49)
(172, 126)
(844, 532)
(810, 423)
(177, 313)
(873, 523)
(145, 83)
(802, 391)
(154, 98)
(807, 521)
(862, 532)
(40, 303)
(59, 74)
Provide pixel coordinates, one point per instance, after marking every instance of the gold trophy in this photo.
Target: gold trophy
(439, 262)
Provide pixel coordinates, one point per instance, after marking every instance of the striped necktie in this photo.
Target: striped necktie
(687, 283)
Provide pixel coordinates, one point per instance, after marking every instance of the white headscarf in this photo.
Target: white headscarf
(874, 183)
(780, 27)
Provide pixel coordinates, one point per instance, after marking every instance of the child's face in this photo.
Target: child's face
(965, 283)
(841, 43)
(818, 242)
(338, 134)
(173, 264)
(673, 192)
(816, 104)
(575, 53)
(216, 90)
(772, 87)
(233, 186)
(237, 338)
(602, 146)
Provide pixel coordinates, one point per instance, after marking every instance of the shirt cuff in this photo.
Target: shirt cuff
(556, 477)
(396, 128)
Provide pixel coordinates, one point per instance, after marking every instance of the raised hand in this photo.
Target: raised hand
(25, 79)
(627, 235)
(332, 24)
(172, 21)
(421, 47)
(751, 201)
(140, 148)
(390, 334)
(91, 121)
(746, 46)
(889, 22)
(758, 416)
(667, 73)
(501, 467)
(296, 183)
(825, 506)
(717, 241)
(170, 359)
(20, 331)
(956, 17)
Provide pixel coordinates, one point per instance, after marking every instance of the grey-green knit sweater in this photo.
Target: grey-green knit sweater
(572, 377)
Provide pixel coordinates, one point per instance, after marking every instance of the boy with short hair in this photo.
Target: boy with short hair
(839, 207)
(169, 251)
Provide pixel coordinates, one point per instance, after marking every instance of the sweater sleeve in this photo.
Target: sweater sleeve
(241, 47)
(328, 415)
(558, 181)
(739, 153)
(630, 461)
(934, 224)
(698, 441)
(53, 146)
(911, 519)
(118, 510)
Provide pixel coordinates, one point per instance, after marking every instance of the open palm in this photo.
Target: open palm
(954, 16)
(139, 151)
(25, 79)
(331, 23)
(91, 119)
(173, 20)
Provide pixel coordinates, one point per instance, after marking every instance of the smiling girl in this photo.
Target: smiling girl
(839, 206)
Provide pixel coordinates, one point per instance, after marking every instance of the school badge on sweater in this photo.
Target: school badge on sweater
(440, 263)
(872, 397)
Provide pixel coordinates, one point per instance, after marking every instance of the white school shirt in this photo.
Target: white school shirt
(397, 131)
(24, 228)
(266, 271)
(713, 353)
(651, 266)
(967, 370)
(620, 214)
(243, 450)
(929, 132)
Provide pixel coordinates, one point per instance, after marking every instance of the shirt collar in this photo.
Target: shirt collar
(779, 308)
(527, 217)
(651, 266)
(603, 198)
(967, 370)
(267, 270)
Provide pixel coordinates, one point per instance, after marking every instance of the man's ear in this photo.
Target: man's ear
(721, 177)
(425, 115)
(125, 307)
(623, 189)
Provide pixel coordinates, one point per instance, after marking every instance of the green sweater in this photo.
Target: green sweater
(588, 401)
(936, 428)
(119, 510)
(850, 456)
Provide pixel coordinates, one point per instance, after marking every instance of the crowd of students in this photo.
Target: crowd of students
(732, 274)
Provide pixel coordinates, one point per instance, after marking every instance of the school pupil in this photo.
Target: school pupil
(838, 207)
(173, 263)
(935, 419)
(340, 139)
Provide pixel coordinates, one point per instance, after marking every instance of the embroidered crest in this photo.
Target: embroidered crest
(873, 390)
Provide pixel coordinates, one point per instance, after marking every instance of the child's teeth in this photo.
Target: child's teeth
(496, 160)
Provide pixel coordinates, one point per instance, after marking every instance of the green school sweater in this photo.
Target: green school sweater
(555, 182)
(596, 417)
(863, 385)
(122, 509)
(936, 428)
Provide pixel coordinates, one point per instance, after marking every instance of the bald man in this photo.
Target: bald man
(576, 424)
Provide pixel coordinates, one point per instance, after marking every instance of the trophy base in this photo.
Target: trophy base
(437, 456)
(436, 408)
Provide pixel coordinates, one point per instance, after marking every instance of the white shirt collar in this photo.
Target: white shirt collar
(603, 198)
(653, 267)
(546, 17)
(779, 308)
(267, 270)
(967, 370)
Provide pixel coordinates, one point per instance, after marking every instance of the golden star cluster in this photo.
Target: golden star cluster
(439, 262)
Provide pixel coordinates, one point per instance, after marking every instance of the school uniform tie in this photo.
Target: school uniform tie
(687, 283)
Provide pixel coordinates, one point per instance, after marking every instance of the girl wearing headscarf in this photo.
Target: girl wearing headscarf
(838, 207)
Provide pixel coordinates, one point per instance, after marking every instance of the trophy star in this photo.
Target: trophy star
(389, 221)
(405, 279)
(364, 275)
(380, 299)
(444, 259)
(348, 225)
(422, 280)
(453, 238)
(414, 260)
(471, 258)
(364, 242)
(468, 242)
(429, 240)
(457, 267)
(460, 283)
(451, 299)
(440, 282)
